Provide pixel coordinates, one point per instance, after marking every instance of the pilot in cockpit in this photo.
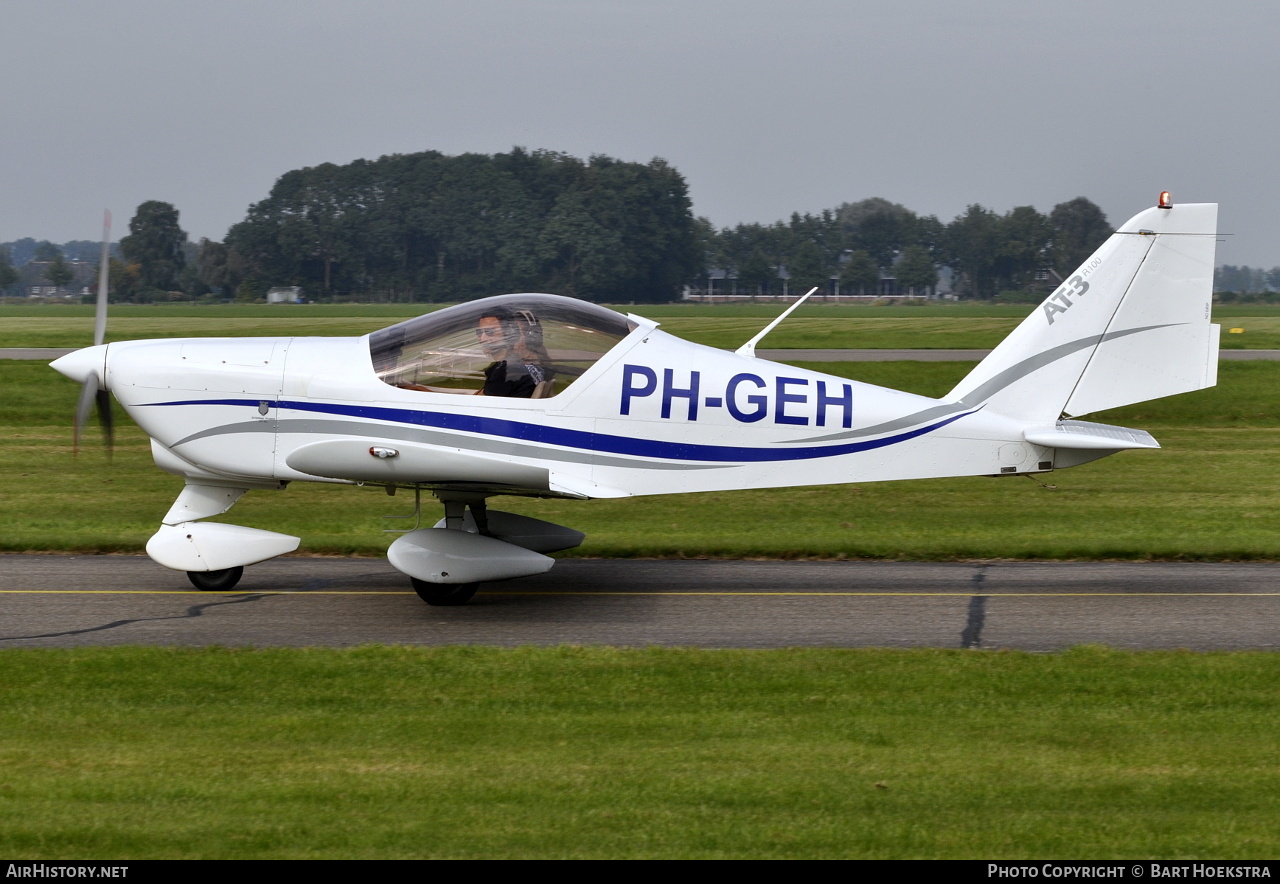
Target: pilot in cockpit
(521, 366)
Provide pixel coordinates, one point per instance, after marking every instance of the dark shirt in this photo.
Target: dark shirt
(516, 380)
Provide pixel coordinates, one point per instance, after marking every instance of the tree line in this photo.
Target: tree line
(1246, 283)
(431, 227)
(854, 247)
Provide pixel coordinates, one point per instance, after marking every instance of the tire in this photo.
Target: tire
(444, 594)
(216, 581)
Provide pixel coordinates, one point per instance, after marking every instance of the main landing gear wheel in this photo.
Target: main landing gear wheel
(216, 581)
(442, 594)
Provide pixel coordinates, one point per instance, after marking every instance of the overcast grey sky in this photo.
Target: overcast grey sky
(765, 107)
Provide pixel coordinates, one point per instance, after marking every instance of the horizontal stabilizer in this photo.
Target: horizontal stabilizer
(1086, 435)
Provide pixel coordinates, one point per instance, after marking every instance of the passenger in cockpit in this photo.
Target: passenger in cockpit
(513, 339)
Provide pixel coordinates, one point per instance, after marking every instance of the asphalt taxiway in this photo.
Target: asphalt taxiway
(69, 601)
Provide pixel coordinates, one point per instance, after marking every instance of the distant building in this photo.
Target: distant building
(1046, 280)
(285, 294)
(33, 283)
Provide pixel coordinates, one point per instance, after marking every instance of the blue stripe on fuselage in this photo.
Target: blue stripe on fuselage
(602, 442)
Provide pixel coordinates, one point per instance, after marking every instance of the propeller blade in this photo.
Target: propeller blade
(88, 393)
(104, 418)
(92, 391)
(100, 314)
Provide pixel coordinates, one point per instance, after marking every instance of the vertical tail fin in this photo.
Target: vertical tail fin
(1131, 324)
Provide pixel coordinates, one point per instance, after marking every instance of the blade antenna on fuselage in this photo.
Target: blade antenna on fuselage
(749, 348)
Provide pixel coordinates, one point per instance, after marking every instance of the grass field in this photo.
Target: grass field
(136, 753)
(936, 327)
(595, 752)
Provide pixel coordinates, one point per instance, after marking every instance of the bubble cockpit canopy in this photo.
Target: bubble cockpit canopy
(552, 338)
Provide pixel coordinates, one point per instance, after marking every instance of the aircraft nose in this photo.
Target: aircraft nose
(80, 364)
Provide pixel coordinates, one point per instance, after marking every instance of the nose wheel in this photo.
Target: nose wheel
(217, 581)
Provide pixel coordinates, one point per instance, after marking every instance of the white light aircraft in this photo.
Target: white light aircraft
(579, 401)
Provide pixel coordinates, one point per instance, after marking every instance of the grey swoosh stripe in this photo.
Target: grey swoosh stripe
(229, 430)
(450, 440)
(910, 420)
(1019, 370)
(989, 388)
